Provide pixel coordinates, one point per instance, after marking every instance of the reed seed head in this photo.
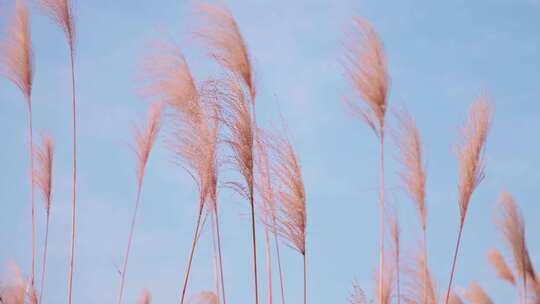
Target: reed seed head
(16, 60)
(365, 66)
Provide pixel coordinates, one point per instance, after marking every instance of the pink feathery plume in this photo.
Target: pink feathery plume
(145, 137)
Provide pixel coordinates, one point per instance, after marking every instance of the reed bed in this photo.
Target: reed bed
(211, 125)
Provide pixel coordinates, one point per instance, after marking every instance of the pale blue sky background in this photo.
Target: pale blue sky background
(441, 55)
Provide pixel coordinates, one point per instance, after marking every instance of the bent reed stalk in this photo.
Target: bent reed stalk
(471, 165)
(144, 141)
(61, 13)
(43, 179)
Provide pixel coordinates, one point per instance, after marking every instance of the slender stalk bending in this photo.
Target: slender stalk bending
(290, 193)
(61, 12)
(471, 166)
(413, 177)
(144, 141)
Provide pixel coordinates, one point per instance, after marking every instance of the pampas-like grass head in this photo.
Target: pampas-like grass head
(264, 178)
(476, 295)
(61, 12)
(413, 174)
(193, 123)
(169, 80)
(365, 66)
(221, 35)
(502, 269)
(357, 295)
(16, 62)
(470, 152)
(238, 120)
(417, 285)
(43, 174)
(512, 226)
(145, 138)
(290, 192)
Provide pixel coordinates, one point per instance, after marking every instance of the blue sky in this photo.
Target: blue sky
(440, 54)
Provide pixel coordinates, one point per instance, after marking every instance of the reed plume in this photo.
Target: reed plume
(470, 152)
(16, 64)
(420, 288)
(292, 198)
(291, 213)
(61, 12)
(241, 140)
(512, 226)
(476, 295)
(194, 127)
(502, 269)
(471, 165)
(357, 295)
(365, 66)
(43, 179)
(413, 175)
(145, 137)
(145, 297)
(224, 41)
(222, 37)
(264, 179)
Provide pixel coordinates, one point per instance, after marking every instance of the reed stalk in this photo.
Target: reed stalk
(144, 141)
(43, 179)
(192, 252)
(471, 166)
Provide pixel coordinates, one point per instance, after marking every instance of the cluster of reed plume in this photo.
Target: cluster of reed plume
(211, 124)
